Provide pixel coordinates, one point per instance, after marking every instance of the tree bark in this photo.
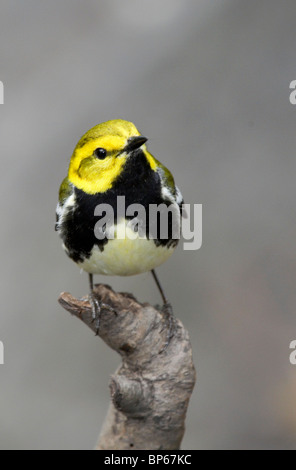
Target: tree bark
(151, 389)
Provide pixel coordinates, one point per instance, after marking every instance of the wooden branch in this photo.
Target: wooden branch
(150, 391)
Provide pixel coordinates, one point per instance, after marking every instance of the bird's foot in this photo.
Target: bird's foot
(170, 324)
(97, 307)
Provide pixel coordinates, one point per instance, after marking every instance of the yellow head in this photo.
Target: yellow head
(100, 154)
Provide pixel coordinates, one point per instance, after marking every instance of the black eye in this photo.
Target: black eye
(100, 153)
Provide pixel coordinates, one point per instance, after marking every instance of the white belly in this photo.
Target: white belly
(125, 256)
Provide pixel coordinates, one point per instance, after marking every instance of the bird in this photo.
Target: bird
(111, 161)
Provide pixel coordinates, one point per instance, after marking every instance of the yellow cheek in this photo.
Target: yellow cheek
(151, 160)
(96, 176)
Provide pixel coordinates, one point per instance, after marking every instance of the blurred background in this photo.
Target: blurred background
(208, 83)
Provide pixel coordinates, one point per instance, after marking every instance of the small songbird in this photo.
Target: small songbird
(110, 161)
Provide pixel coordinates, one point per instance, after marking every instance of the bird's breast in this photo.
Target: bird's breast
(127, 254)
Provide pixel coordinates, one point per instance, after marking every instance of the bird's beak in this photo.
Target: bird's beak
(135, 142)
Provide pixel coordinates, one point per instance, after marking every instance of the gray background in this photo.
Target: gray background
(208, 83)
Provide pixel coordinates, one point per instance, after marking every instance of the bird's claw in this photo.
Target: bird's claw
(97, 308)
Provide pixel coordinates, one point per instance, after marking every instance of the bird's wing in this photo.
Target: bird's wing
(66, 190)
